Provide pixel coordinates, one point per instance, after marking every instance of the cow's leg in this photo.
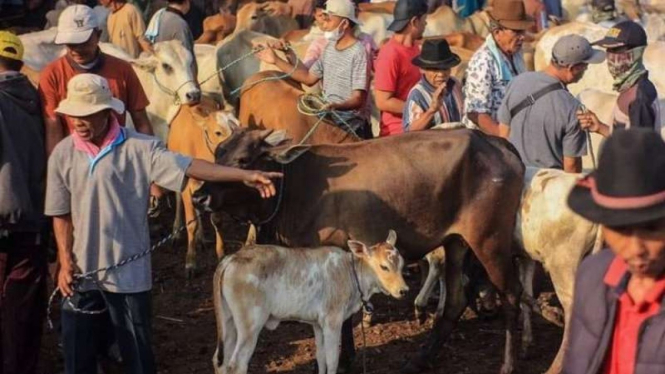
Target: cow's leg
(216, 220)
(320, 349)
(434, 275)
(192, 222)
(331, 338)
(455, 304)
(230, 334)
(248, 329)
(179, 219)
(527, 268)
(348, 354)
(563, 282)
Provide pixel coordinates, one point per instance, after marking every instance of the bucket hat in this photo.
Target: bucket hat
(511, 14)
(76, 24)
(342, 8)
(628, 188)
(436, 55)
(404, 11)
(88, 94)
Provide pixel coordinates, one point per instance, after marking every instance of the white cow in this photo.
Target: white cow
(264, 285)
(166, 75)
(546, 231)
(597, 76)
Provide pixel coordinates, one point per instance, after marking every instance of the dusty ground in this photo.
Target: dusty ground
(184, 331)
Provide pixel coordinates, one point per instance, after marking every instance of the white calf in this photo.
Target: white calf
(264, 285)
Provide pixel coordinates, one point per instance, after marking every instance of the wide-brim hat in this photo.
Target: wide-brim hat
(436, 55)
(628, 188)
(88, 94)
(511, 14)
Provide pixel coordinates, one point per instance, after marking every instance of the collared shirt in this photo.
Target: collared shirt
(629, 321)
(420, 99)
(108, 197)
(123, 82)
(484, 88)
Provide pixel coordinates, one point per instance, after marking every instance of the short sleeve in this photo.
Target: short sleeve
(136, 97)
(48, 92)
(386, 70)
(412, 111)
(574, 138)
(359, 71)
(503, 115)
(138, 24)
(478, 88)
(58, 194)
(314, 52)
(317, 68)
(167, 169)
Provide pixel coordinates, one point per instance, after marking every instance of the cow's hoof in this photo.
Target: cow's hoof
(345, 365)
(190, 272)
(553, 315)
(507, 369)
(421, 315)
(524, 352)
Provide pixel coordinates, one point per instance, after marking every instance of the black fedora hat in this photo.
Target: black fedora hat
(628, 188)
(436, 55)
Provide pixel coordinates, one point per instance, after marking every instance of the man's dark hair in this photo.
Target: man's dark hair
(321, 4)
(176, 1)
(10, 63)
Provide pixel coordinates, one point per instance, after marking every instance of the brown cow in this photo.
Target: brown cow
(273, 104)
(196, 132)
(457, 188)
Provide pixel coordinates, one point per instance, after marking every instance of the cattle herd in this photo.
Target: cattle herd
(454, 197)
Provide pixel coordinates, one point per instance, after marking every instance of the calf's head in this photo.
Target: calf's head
(385, 263)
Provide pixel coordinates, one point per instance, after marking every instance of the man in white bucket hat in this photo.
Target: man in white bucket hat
(97, 193)
(342, 67)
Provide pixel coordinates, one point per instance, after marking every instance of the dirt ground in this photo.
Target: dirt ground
(184, 330)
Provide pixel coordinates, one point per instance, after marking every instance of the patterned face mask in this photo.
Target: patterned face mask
(626, 67)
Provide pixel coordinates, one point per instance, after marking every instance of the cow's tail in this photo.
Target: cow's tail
(219, 301)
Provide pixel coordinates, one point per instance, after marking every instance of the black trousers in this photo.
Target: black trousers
(23, 274)
(83, 336)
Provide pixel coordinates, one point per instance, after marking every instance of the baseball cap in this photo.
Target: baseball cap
(624, 34)
(88, 94)
(10, 46)
(575, 49)
(604, 5)
(342, 8)
(76, 24)
(404, 11)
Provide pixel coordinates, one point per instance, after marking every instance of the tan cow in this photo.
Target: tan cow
(196, 131)
(546, 231)
(261, 286)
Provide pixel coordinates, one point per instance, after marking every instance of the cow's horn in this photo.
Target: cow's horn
(290, 154)
(392, 237)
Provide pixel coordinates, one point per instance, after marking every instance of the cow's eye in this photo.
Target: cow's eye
(384, 268)
(218, 133)
(242, 161)
(167, 68)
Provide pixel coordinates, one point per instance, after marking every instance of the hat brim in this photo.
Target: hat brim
(609, 42)
(73, 109)
(76, 37)
(398, 25)
(581, 202)
(449, 63)
(597, 57)
(352, 19)
(524, 24)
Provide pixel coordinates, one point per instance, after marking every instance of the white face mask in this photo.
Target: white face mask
(335, 35)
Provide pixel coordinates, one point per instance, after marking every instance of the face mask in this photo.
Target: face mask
(626, 67)
(334, 35)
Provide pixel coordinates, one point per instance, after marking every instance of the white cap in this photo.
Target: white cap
(76, 24)
(342, 8)
(88, 94)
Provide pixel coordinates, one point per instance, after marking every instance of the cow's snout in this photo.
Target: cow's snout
(201, 200)
(403, 291)
(193, 97)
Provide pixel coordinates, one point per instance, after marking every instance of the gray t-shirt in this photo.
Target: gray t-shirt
(173, 26)
(546, 131)
(343, 72)
(108, 199)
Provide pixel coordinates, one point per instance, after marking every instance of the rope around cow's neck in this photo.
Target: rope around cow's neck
(313, 104)
(90, 275)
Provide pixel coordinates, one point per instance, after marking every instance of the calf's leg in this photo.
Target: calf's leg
(320, 349)
(348, 354)
(527, 268)
(331, 339)
(192, 228)
(455, 304)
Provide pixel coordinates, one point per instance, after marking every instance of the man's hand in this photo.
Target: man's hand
(266, 54)
(66, 278)
(437, 96)
(260, 180)
(276, 8)
(590, 122)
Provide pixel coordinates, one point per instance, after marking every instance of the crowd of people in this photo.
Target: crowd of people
(65, 154)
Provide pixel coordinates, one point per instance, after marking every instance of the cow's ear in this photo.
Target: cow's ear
(290, 154)
(358, 248)
(392, 238)
(227, 121)
(276, 138)
(147, 64)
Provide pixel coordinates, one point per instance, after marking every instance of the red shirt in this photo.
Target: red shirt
(630, 317)
(394, 72)
(123, 82)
